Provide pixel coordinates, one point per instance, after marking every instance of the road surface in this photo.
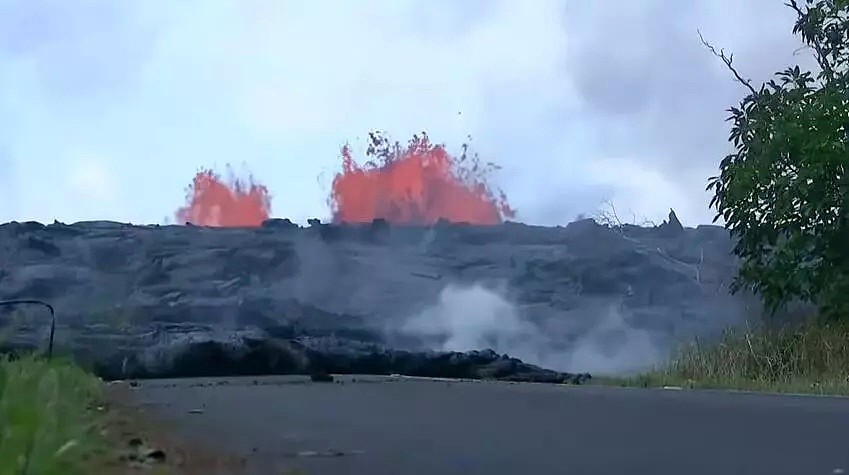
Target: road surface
(399, 426)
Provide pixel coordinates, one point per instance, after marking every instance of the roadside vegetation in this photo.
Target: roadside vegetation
(811, 358)
(58, 419)
(49, 417)
(783, 194)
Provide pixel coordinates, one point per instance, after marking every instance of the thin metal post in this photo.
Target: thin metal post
(9, 303)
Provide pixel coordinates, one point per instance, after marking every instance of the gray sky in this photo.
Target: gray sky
(108, 108)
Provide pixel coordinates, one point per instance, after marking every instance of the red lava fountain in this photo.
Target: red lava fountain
(416, 184)
(210, 201)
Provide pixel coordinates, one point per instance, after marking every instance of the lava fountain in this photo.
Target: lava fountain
(419, 183)
(212, 201)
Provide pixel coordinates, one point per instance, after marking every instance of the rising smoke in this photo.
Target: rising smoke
(476, 316)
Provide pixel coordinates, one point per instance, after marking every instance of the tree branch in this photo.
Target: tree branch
(728, 60)
(821, 54)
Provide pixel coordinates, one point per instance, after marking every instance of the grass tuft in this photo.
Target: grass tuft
(48, 417)
(810, 358)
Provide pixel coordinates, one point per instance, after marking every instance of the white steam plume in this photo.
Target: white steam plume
(470, 317)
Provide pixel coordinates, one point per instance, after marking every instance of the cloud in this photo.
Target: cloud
(91, 180)
(662, 96)
(8, 184)
(548, 89)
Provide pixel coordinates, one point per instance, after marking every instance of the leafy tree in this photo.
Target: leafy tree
(784, 192)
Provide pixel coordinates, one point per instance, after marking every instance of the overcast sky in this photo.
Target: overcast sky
(107, 108)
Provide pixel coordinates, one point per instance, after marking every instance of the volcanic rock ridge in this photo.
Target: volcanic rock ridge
(448, 300)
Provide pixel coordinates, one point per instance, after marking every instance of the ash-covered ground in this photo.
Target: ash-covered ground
(145, 301)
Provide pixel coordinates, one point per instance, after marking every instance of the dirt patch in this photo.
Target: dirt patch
(143, 443)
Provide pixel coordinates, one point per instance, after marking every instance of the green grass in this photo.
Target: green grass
(48, 417)
(810, 358)
(58, 419)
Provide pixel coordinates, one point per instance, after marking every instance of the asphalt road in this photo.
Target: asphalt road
(386, 426)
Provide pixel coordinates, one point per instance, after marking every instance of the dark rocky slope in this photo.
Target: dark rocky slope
(138, 301)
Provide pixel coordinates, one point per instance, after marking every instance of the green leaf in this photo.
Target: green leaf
(784, 193)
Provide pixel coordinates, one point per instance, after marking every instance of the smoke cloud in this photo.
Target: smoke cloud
(477, 316)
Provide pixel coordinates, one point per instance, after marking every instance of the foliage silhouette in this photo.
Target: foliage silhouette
(783, 191)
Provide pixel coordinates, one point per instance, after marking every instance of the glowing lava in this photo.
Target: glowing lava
(416, 184)
(210, 201)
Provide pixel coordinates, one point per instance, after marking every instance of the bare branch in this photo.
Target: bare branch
(795, 6)
(608, 217)
(800, 49)
(728, 60)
